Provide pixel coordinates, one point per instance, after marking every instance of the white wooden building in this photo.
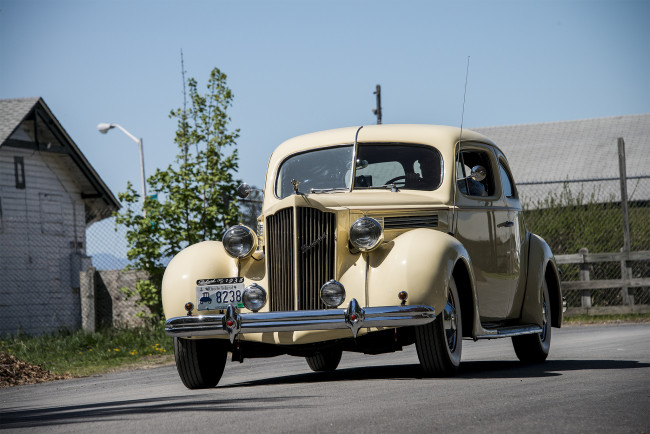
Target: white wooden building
(49, 194)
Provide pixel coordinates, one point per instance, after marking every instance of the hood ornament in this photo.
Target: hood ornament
(295, 184)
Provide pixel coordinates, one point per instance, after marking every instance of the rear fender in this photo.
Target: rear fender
(541, 266)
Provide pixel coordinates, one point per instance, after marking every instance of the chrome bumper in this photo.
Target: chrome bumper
(232, 323)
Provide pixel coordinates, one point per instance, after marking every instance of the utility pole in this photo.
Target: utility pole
(377, 111)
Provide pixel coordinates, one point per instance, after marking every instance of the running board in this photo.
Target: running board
(510, 331)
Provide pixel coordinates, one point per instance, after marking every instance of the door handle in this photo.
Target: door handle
(506, 224)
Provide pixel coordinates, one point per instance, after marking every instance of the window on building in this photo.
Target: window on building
(19, 172)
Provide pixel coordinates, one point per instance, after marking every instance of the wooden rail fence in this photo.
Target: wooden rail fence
(626, 282)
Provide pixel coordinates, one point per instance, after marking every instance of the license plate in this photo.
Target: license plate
(219, 293)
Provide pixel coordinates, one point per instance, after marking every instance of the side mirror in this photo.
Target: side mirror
(244, 190)
(478, 173)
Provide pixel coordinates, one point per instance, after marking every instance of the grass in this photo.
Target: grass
(606, 319)
(81, 354)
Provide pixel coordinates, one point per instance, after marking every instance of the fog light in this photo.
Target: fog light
(366, 234)
(240, 241)
(254, 297)
(189, 306)
(332, 293)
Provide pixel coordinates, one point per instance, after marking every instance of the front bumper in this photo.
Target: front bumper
(232, 323)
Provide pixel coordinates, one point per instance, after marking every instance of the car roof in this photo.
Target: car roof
(439, 136)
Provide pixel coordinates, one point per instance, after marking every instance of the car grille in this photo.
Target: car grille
(313, 255)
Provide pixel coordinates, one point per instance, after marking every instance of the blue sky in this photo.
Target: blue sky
(302, 66)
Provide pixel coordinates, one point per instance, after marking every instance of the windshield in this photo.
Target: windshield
(327, 170)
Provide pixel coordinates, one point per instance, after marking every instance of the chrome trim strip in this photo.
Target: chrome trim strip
(508, 332)
(354, 318)
(355, 151)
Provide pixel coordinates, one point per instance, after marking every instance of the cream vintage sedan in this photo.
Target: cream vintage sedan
(372, 238)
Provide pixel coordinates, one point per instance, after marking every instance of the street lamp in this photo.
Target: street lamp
(103, 128)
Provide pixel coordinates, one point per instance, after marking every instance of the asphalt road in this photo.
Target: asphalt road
(597, 379)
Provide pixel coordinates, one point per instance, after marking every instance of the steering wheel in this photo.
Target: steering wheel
(397, 178)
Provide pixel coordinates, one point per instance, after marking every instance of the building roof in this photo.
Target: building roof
(583, 154)
(29, 123)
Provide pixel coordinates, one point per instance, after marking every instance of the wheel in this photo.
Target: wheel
(535, 348)
(200, 362)
(439, 344)
(327, 361)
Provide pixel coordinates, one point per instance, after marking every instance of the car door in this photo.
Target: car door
(513, 250)
(479, 206)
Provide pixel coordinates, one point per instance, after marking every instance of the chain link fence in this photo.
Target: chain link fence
(103, 301)
(569, 215)
(586, 216)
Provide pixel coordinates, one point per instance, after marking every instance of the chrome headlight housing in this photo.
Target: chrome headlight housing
(254, 297)
(240, 241)
(332, 293)
(366, 233)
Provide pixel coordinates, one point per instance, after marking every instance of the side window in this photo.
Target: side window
(467, 160)
(507, 183)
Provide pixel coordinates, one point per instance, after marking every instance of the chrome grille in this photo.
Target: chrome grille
(315, 255)
(410, 222)
(279, 234)
(315, 236)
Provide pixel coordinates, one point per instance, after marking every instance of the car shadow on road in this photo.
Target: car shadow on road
(468, 370)
(117, 410)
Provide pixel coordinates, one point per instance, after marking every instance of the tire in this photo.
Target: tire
(439, 344)
(535, 348)
(323, 362)
(200, 363)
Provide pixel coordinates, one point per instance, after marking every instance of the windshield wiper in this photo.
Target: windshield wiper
(328, 190)
(392, 187)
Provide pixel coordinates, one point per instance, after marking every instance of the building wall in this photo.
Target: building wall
(42, 244)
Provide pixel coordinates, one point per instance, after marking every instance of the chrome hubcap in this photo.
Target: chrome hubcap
(545, 319)
(450, 323)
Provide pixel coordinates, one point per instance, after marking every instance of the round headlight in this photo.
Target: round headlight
(366, 234)
(332, 293)
(254, 297)
(239, 241)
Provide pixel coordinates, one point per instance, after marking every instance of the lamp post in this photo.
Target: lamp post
(103, 128)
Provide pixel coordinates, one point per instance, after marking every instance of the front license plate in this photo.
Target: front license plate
(219, 293)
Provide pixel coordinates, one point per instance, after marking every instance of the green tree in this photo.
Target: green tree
(194, 199)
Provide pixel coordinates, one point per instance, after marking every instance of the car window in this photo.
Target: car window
(406, 166)
(385, 170)
(415, 167)
(321, 169)
(467, 159)
(506, 182)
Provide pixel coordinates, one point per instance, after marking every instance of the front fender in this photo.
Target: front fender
(421, 262)
(204, 260)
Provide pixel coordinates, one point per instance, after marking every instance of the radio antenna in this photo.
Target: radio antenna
(462, 160)
(462, 116)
